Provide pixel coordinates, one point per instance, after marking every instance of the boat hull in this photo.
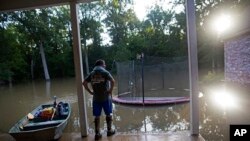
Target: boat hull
(40, 131)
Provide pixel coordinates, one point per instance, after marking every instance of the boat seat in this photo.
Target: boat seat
(45, 124)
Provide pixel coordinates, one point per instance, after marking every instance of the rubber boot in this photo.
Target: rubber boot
(98, 135)
(110, 132)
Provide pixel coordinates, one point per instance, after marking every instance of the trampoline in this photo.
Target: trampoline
(152, 81)
(150, 101)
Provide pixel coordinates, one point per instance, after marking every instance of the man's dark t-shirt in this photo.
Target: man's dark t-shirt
(99, 79)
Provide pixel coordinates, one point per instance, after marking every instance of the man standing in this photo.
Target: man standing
(100, 79)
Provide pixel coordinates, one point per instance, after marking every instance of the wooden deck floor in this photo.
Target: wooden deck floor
(177, 136)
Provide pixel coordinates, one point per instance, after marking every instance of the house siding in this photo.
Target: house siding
(237, 59)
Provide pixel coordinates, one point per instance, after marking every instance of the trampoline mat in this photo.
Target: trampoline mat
(150, 100)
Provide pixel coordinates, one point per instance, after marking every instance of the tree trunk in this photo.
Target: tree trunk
(45, 68)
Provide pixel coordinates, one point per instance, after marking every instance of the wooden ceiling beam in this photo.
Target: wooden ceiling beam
(13, 5)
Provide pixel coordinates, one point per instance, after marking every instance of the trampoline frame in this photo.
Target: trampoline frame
(150, 101)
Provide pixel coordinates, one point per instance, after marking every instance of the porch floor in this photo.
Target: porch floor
(176, 136)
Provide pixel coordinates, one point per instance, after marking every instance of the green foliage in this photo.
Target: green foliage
(47, 27)
(122, 54)
(162, 33)
(12, 60)
(129, 36)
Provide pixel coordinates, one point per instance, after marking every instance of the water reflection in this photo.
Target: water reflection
(20, 99)
(216, 116)
(152, 119)
(23, 98)
(48, 88)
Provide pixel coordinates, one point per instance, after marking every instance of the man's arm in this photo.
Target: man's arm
(112, 81)
(85, 84)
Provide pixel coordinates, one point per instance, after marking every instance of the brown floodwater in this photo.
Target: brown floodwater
(215, 115)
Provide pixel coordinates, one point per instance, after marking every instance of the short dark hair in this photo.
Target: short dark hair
(99, 62)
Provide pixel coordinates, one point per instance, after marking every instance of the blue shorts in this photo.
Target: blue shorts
(105, 105)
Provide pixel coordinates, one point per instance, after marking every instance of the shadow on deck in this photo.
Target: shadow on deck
(176, 136)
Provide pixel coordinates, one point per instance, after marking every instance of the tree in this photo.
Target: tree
(12, 60)
(46, 32)
(118, 20)
(35, 23)
(164, 33)
(91, 27)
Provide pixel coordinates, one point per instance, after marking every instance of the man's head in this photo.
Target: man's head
(100, 62)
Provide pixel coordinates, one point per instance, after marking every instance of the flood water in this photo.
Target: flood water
(18, 100)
